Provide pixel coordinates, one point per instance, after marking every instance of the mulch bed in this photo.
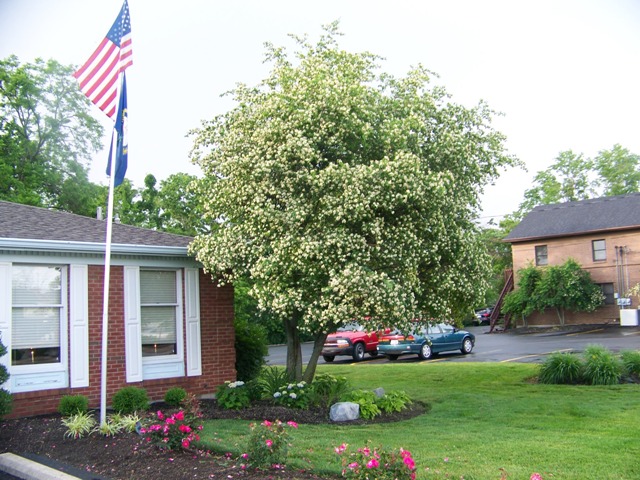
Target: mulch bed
(126, 456)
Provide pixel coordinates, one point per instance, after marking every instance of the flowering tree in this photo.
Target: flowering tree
(344, 193)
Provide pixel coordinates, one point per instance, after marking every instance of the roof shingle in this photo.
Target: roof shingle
(34, 223)
(574, 218)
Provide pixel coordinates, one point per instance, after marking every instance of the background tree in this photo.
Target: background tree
(5, 396)
(565, 287)
(47, 137)
(618, 171)
(182, 210)
(343, 193)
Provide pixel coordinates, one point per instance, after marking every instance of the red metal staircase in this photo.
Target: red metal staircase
(495, 314)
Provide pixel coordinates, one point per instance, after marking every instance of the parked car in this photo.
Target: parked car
(425, 341)
(483, 315)
(351, 339)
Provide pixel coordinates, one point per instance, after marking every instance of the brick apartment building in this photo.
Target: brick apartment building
(169, 324)
(602, 235)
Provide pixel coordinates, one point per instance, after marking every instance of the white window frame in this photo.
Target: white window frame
(140, 368)
(42, 376)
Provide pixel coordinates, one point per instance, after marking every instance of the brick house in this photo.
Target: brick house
(602, 235)
(169, 324)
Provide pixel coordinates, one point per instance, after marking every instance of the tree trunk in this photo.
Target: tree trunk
(310, 371)
(560, 312)
(294, 349)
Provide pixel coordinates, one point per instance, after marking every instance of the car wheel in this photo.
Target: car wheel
(467, 346)
(358, 352)
(374, 353)
(328, 358)
(425, 351)
(392, 358)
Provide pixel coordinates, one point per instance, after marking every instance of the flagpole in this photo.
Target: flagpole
(107, 275)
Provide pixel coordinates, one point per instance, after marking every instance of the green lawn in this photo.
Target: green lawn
(484, 417)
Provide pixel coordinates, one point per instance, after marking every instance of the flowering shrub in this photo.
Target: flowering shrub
(378, 463)
(294, 395)
(233, 395)
(171, 432)
(268, 444)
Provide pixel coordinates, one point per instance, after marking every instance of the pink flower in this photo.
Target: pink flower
(184, 428)
(185, 443)
(245, 455)
(353, 465)
(266, 423)
(413, 476)
(373, 463)
(408, 461)
(405, 453)
(292, 424)
(446, 459)
(365, 451)
(269, 443)
(179, 415)
(170, 421)
(160, 414)
(341, 448)
(535, 476)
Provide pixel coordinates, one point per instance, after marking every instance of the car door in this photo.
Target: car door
(449, 337)
(437, 338)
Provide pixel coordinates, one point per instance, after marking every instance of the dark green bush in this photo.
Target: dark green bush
(233, 395)
(561, 368)
(5, 397)
(175, 396)
(72, 405)
(272, 379)
(601, 367)
(395, 401)
(130, 399)
(251, 348)
(367, 401)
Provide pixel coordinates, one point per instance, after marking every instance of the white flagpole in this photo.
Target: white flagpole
(107, 275)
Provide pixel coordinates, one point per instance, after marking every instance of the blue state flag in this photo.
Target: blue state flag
(121, 128)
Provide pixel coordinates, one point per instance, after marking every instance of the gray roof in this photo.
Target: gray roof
(621, 212)
(40, 224)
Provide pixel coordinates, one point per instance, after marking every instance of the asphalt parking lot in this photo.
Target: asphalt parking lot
(527, 346)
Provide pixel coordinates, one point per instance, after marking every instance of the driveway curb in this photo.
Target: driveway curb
(29, 470)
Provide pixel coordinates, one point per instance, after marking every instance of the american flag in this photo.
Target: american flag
(98, 77)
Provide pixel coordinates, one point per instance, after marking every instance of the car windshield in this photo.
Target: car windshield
(351, 327)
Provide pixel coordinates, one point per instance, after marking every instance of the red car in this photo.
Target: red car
(353, 340)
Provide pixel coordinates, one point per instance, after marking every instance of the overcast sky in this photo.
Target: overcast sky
(565, 73)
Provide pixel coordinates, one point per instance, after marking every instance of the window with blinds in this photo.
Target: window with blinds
(36, 309)
(158, 306)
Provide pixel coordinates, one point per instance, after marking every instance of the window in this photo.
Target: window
(599, 248)
(37, 308)
(159, 312)
(541, 255)
(607, 291)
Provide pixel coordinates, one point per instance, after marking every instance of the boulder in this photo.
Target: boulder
(379, 392)
(344, 412)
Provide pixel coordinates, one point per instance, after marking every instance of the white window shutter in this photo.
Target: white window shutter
(132, 325)
(5, 313)
(192, 308)
(79, 325)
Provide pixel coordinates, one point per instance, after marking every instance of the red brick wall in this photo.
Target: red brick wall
(217, 346)
(579, 247)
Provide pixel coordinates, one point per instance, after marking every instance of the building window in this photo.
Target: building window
(599, 248)
(541, 255)
(159, 312)
(607, 291)
(37, 313)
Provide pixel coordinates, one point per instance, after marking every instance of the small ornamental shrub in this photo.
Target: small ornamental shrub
(367, 463)
(175, 396)
(327, 389)
(631, 362)
(171, 432)
(601, 366)
(272, 379)
(293, 395)
(395, 401)
(72, 404)
(251, 349)
(233, 395)
(130, 400)
(192, 408)
(5, 396)
(111, 427)
(561, 368)
(268, 445)
(79, 425)
(367, 401)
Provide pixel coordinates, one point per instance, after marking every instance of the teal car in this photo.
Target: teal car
(426, 341)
